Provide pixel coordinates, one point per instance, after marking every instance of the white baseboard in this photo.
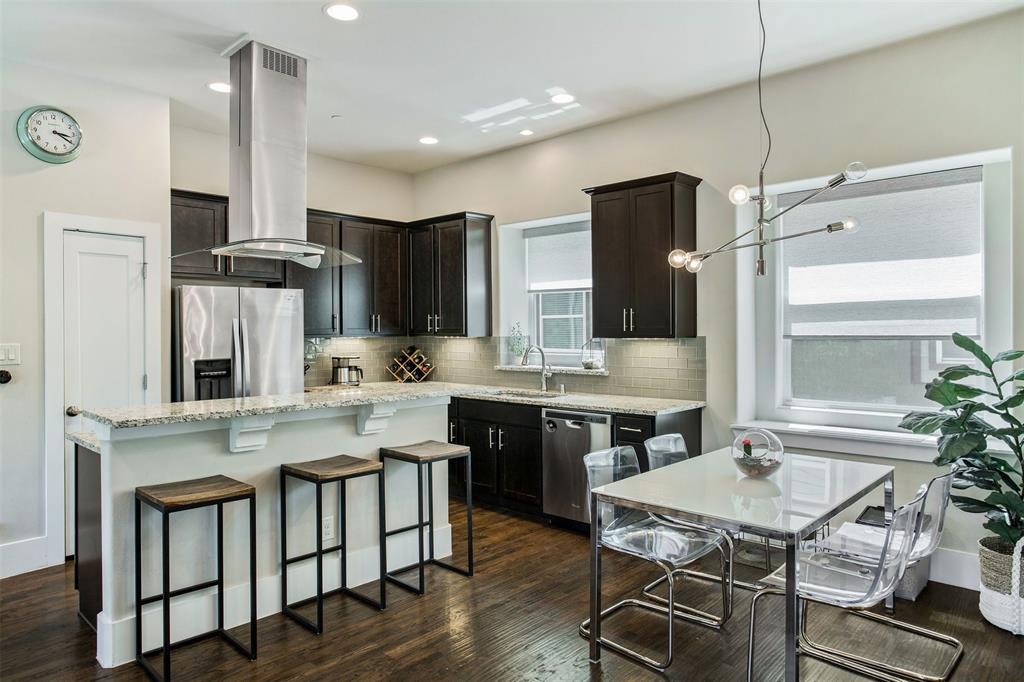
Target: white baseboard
(955, 567)
(196, 613)
(22, 556)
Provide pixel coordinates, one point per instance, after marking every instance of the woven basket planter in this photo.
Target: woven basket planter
(1002, 584)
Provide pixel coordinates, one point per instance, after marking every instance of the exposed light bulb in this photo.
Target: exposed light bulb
(739, 194)
(855, 171)
(678, 258)
(851, 225)
(694, 264)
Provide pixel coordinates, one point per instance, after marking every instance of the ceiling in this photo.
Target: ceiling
(448, 68)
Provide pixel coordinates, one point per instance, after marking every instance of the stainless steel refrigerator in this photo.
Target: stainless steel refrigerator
(236, 341)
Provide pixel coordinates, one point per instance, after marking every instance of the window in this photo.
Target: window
(563, 319)
(858, 323)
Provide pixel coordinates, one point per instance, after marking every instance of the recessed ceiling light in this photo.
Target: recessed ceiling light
(428, 140)
(563, 98)
(526, 133)
(341, 12)
(219, 86)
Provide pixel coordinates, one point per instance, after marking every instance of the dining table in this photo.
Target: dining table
(787, 507)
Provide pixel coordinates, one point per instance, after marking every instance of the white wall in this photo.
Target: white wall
(949, 93)
(199, 162)
(122, 172)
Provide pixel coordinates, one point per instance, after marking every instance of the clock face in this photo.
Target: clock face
(50, 134)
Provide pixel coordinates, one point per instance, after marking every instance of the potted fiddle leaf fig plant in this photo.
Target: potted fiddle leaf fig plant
(970, 420)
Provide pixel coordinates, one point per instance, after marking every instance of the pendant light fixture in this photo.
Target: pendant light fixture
(693, 261)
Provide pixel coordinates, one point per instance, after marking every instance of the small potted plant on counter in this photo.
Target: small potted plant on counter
(969, 421)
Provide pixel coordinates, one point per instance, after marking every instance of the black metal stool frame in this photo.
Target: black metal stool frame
(318, 554)
(420, 525)
(167, 593)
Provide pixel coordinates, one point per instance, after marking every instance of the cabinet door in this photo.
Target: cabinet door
(321, 287)
(481, 439)
(197, 223)
(519, 451)
(450, 274)
(610, 247)
(357, 279)
(421, 280)
(652, 277)
(389, 280)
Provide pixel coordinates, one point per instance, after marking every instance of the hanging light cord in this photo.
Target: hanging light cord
(760, 103)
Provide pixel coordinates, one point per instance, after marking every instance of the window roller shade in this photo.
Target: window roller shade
(913, 270)
(558, 261)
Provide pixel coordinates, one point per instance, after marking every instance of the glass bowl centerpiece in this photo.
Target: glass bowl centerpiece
(757, 453)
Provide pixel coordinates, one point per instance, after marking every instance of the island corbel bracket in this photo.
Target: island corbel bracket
(371, 419)
(249, 433)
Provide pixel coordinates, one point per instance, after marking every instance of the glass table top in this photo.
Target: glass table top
(805, 492)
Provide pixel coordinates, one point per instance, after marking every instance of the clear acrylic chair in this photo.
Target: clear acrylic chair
(864, 544)
(831, 579)
(670, 448)
(666, 543)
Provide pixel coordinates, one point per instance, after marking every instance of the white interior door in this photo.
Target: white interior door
(104, 334)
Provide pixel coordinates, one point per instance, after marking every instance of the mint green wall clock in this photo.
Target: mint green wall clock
(49, 134)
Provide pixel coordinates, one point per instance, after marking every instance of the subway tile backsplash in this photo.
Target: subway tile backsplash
(649, 368)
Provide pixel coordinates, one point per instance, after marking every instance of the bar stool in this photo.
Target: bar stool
(318, 472)
(420, 454)
(167, 499)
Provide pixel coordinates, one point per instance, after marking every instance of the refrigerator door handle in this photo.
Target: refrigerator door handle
(246, 361)
(236, 358)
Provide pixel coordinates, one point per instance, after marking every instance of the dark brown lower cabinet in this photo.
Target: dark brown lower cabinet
(633, 430)
(88, 537)
(519, 451)
(479, 436)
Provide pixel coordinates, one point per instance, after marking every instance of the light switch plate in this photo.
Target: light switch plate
(10, 353)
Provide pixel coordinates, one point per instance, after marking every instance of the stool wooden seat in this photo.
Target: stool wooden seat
(196, 492)
(424, 455)
(332, 468)
(427, 451)
(338, 469)
(166, 499)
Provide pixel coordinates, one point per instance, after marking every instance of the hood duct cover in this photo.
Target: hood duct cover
(267, 206)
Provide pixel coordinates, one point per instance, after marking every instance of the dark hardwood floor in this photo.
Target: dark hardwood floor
(515, 620)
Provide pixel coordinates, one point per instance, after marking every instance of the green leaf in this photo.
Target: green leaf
(972, 347)
(954, 446)
(942, 392)
(924, 422)
(1008, 356)
(1004, 530)
(960, 371)
(1015, 400)
(972, 505)
(1009, 501)
(1016, 376)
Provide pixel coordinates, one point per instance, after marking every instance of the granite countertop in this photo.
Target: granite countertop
(324, 397)
(86, 439)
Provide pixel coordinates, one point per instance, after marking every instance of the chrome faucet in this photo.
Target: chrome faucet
(545, 368)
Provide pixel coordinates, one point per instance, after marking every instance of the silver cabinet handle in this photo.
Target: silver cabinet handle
(501, 439)
(490, 436)
(231, 263)
(378, 324)
(428, 324)
(623, 319)
(630, 428)
(451, 432)
(631, 319)
(216, 263)
(437, 323)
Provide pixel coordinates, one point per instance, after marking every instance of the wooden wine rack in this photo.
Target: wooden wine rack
(406, 364)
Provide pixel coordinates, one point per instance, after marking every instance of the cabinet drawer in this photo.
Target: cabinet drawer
(632, 429)
(500, 413)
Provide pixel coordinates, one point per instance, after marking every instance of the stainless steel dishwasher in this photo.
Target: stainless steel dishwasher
(567, 437)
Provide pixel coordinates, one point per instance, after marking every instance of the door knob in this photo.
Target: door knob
(72, 411)
(5, 376)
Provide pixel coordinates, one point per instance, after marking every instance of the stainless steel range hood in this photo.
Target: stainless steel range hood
(267, 206)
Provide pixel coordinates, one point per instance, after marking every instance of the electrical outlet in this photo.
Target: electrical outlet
(327, 532)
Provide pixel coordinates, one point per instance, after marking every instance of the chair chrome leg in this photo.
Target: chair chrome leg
(660, 666)
(888, 668)
(725, 579)
(750, 633)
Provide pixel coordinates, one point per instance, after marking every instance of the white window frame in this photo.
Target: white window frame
(537, 318)
(769, 355)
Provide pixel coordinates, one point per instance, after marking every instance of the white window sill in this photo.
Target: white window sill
(844, 440)
(575, 371)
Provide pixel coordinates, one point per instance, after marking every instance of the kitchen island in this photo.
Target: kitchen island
(248, 439)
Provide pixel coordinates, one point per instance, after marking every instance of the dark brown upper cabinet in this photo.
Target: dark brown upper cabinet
(636, 293)
(374, 291)
(450, 276)
(321, 287)
(200, 221)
